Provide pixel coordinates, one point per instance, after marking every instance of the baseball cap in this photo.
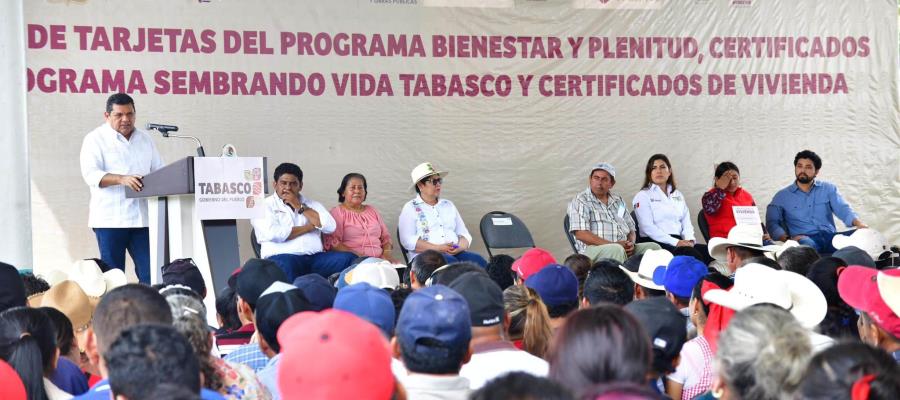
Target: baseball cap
(275, 305)
(532, 261)
(483, 295)
(606, 167)
(255, 277)
(184, 272)
(681, 275)
(12, 387)
(369, 303)
(13, 293)
(351, 358)
(317, 290)
(434, 320)
(853, 255)
(666, 327)
(556, 284)
(858, 286)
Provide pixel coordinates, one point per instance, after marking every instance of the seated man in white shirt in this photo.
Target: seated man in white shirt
(114, 156)
(291, 232)
(429, 222)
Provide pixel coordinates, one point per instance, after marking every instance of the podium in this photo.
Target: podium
(177, 230)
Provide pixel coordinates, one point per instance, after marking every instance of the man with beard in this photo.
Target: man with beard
(803, 210)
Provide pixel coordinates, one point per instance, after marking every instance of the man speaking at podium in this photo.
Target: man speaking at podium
(116, 155)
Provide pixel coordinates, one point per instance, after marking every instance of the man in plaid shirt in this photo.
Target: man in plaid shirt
(600, 221)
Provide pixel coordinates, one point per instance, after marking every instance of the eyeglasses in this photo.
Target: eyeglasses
(435, 181)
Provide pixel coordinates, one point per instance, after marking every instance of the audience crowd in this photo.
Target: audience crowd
(641, 310)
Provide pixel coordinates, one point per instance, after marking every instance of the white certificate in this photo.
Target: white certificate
(746, 215)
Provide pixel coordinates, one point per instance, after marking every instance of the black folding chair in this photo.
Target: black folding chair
(637, 227)
(254, 243)
(569, 234)
(703, 225)
(502, 230)
(402, 249)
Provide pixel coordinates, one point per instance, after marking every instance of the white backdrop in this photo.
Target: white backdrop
(522, 154)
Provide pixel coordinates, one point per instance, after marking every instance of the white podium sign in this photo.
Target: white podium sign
(228, 187)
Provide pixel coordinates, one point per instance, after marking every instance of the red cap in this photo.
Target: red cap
(333, 355)
(12, 387)
(532, 261)
(858, 286)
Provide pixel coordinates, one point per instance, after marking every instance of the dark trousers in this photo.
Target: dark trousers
(466, 256)
(114, 241)
(701, 248)
(323, 263)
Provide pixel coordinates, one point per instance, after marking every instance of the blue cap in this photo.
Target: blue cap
(681, 275)
(317, 290)
(369, 303)
(435, 314)
(556, 284)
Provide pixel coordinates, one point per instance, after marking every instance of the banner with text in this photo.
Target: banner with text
(229, 187)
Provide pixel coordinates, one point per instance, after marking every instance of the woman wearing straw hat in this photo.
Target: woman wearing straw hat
(429, 222)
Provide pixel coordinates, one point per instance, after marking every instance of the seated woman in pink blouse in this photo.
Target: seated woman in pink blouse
(360, 228)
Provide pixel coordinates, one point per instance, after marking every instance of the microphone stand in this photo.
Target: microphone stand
(165, 133)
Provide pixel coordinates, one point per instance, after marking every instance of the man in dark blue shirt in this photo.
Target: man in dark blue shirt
(803, 210)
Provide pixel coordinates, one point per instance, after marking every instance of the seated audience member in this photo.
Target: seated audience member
(232, 381)
(558, 288)
(719, 202)
(679, 279)
(852, 255)
(169, 391)
(67, 375)
(803, 210)
(227, 315)
(602, 344)
(878, 324)
(664, 326)
(369, 303)
(12, 387)
(600, 221)
(763, 260)
(743, 242)
(868, 240)
(662, 213)
(758, 284)
(317, 291)
(889, 287)
(119, 309)
(529, 323)
(184, 272)
(359, 228)
(34, 285)
(532, 261)
(13, 293)
(429, 222)
(350, 358)
(762, 355)
(28, 344)
(840, 319)
(423, 266)
(851, 370)
(499, 268)
(68, 298)
(146, 355)
(90, 276)
(694, 374)
(644, 287)
(492, 353)
(290, 233)
(255, 277)
(521, 386)
(432, 339)
(797, 259)
(622, 391)
(607, 283)
(398, 297)
(278, 303)
(580, 264)
(374, 271)
(448, 273)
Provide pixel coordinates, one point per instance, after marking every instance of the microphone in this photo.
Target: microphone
(164, 129)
